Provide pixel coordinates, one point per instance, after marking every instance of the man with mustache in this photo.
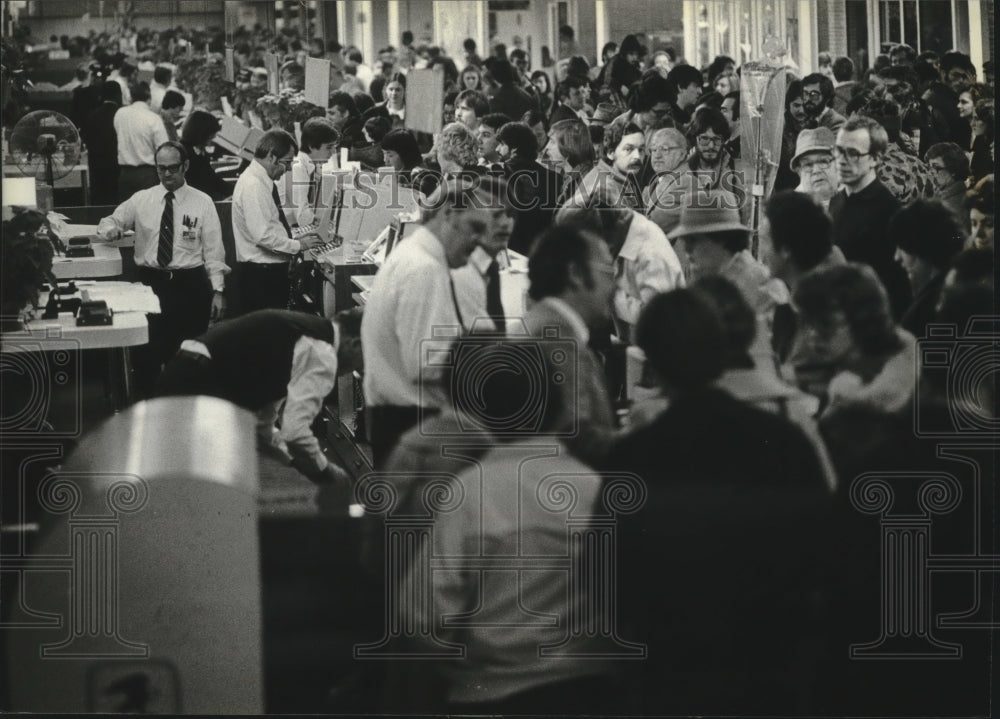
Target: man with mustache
(818, 95)
(614, 179)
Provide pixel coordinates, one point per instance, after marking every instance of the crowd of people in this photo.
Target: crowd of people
(779, 362)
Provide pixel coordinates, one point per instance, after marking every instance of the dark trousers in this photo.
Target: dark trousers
(185, 307)
(263, 286)
(104, 185)
(133, 178)
(386, 424)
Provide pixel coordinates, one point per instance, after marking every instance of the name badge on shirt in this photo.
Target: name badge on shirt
(191, 232)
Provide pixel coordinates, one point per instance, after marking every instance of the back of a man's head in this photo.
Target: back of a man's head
(682, 336)
(800, 225)
(555, 253)
(163, 75)
(503, 385)
(111, 91)
(141, 93)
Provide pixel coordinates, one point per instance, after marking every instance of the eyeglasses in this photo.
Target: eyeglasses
(820, 163)
(169, 169)
(710, 140)
(665, 150)
(813, 95)
(849, 153)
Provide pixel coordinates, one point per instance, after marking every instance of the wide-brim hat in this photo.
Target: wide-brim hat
(604, 113)
(819, 140)
(707, 212)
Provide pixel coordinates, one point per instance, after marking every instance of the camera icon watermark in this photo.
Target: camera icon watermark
(462, 365)
(41, 395)
(959, 367)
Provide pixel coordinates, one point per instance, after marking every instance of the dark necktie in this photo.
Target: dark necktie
(494, 307)
(313, 196)
(281, 212)
(165, 249)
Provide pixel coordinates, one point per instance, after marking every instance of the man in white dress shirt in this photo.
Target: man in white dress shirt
(140, 131)
(296, 360)
(299, 189)
(178, 253)
(163, 80)
(477, 284)
(413, 301)
(264, 245)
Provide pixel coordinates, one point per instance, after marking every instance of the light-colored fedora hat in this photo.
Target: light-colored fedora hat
(707, 212)
(819, 140)
(604, 113)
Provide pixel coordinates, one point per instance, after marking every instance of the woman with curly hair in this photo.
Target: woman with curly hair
(455, 151)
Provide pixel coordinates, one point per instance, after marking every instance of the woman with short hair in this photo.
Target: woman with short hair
(198, 131)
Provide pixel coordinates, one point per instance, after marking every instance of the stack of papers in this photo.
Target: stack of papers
(121, 296)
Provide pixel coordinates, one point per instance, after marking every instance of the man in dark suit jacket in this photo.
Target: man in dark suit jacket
(532, 190)
(98, 133)
(862, 208)
(571, 101)
(571, 285)
(510, 99)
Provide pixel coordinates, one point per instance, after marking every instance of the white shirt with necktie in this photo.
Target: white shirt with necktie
(410, 313)
(140, 131)
(470, 290)
(257, 230)
(197, 231)
(299, 190)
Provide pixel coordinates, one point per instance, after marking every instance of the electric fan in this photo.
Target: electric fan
(45, 145)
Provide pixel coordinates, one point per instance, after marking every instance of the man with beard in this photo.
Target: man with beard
(814, 164)
(710, 166)
(613, 181)
(817, 92)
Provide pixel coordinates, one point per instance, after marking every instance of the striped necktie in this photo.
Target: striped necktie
(165, 249)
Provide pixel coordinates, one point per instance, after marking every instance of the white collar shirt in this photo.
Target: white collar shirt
(197, 231)
(410, 315)
(293, 190)
(156, 92)
(140, 131)
(258, 233)
(470, 289)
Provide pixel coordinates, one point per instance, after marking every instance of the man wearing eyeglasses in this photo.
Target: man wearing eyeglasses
(178, 254)
(263, 237)
(862, 208)
(818, 95)
(814, 163)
